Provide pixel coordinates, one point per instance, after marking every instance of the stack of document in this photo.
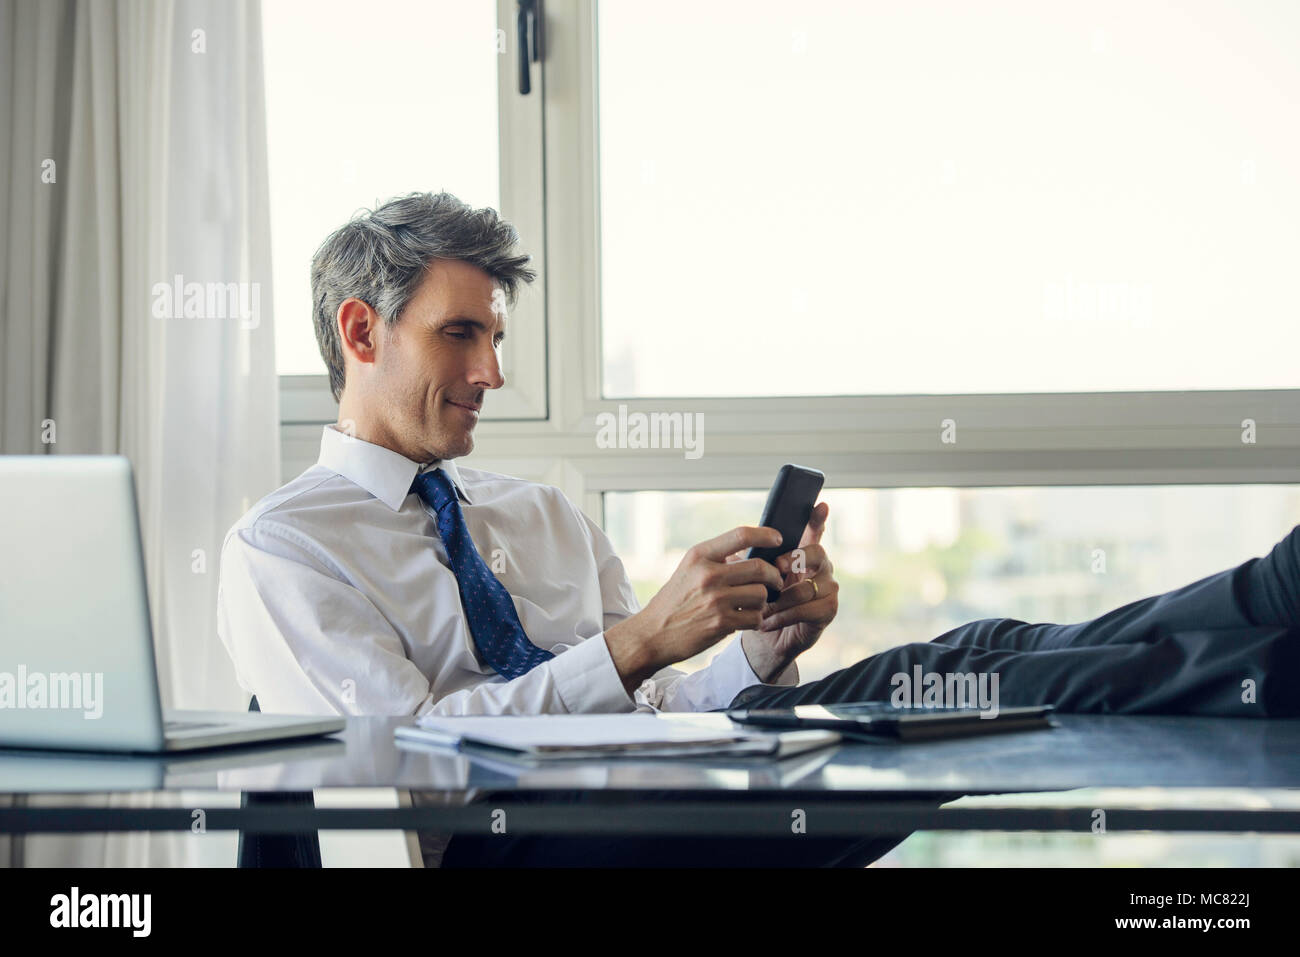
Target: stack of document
(555, 736)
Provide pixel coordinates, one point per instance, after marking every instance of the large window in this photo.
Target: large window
(939, 244)
(833, 198)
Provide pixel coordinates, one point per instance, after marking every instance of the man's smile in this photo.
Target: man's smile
(470, 407)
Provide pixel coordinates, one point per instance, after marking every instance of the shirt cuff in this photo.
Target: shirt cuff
(587, 681)
(732, 673)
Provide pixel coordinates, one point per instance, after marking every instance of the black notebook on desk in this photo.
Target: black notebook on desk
(876, 720)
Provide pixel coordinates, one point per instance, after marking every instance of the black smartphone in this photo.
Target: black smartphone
(789, 506)
(881, 718)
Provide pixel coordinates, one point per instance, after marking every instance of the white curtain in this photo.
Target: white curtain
(136, 154)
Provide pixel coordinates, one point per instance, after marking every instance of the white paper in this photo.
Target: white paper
(587, 731)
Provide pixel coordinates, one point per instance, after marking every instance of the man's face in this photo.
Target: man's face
(437, 363)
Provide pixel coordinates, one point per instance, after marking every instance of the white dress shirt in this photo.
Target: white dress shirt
(337, 597)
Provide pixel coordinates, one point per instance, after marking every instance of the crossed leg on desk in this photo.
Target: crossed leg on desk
(1227, 645)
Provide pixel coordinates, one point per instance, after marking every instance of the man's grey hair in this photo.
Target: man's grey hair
(380, 257)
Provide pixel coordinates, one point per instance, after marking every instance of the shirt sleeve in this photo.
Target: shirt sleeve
(670, 689)
(305, 641)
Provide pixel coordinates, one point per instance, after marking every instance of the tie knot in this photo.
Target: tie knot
(434, 486)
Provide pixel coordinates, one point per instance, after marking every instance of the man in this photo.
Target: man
(361, 587)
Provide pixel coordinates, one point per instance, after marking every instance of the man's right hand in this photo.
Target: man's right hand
(706, 599)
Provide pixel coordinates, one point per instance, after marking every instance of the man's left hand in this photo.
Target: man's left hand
(793, 623)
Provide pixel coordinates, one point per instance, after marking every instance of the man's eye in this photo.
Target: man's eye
(458, 334)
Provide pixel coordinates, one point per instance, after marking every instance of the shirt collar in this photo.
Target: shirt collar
(385, 474)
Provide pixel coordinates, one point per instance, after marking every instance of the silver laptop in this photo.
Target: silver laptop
(76, 648)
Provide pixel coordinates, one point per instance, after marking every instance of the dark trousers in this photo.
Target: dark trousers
(1227, 645)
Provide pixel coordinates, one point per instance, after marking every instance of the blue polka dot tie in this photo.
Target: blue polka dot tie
(491, 614)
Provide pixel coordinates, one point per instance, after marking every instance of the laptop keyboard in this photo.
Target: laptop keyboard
(187, 725)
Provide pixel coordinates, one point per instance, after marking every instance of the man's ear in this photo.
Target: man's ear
(358, 327)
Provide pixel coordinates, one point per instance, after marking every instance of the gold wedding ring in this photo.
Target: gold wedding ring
(814, 584)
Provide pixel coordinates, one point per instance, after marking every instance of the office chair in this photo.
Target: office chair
(278, 850)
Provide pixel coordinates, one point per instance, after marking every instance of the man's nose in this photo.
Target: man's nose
(487, 371)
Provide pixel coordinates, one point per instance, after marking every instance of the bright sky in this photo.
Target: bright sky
(928, 197)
